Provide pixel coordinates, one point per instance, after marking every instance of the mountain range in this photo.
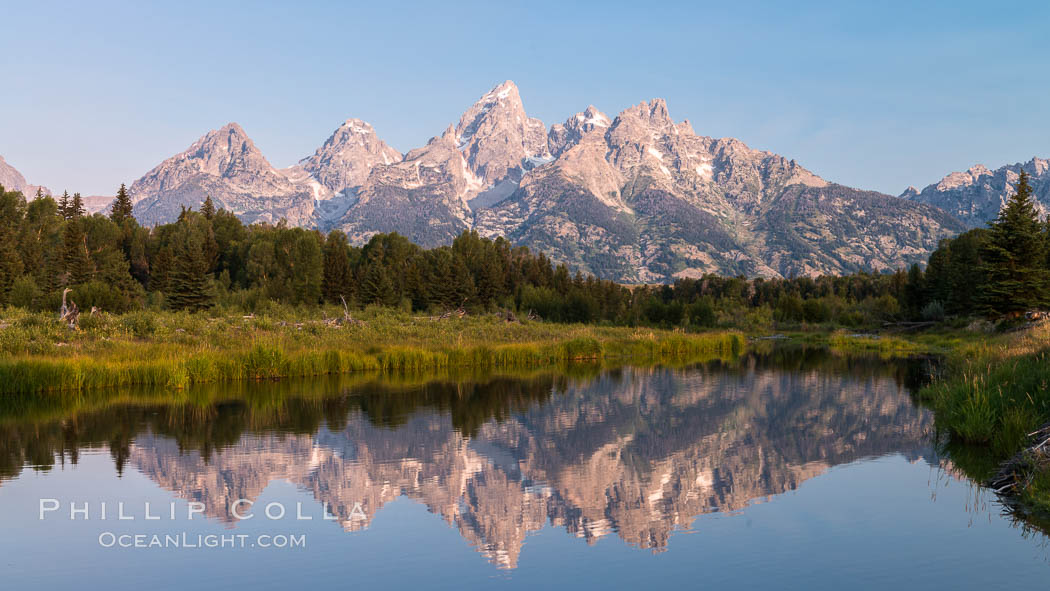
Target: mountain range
(636, 198)
(975, 196)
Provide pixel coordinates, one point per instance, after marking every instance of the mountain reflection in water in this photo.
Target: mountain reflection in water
(635, 453)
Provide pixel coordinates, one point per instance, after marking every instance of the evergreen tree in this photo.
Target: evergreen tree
(965, 270)
(1046, 239)
(12, 206)
(76, 206)
(160, 271)
(76, 263)
(338, 276)
(915, 291)
(208, 208)
(40, 242)
(938, 273)
(462, 282)
(189, 285)
(376, 286)
(1014, 257)
(122, 206)
(63, 205)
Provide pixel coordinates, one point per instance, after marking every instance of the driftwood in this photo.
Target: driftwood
(69, 313)
(534, 316)
(1016, 473)
(347, 318)
(907, 326)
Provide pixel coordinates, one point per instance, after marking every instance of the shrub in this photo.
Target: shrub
(25, 293)
(933, 311)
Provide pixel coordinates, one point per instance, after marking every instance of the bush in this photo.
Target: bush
(816, 311)
(25, 293)
(933, 311)
(141, 324)
(701, 313)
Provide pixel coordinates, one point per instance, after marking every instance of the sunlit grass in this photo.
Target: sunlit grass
(175, 350)
(995, 392)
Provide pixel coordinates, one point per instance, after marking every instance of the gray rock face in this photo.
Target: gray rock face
(643, 199)
(432, 194)
(635, 198)
(226, 165)
(12, 180)
(563, 136)
(976, 195)
(348, 156)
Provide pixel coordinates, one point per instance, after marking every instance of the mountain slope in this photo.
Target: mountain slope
(12, 180)
(975, 196)
(430, 196)
(226, 165)
(642, 198)
(637, 197)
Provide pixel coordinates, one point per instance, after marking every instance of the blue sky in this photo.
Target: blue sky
(877, 95)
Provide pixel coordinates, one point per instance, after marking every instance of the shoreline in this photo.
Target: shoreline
(180, 350)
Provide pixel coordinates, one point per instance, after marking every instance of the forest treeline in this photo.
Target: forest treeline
(210, 258)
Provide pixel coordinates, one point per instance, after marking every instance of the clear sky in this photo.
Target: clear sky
(877, 95)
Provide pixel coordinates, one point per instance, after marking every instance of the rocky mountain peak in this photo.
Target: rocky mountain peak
(226, 165)
(636, 198)
(977, 194)
(348, 156)
(563, 136)
(225, 152)
(497, 137)
(653, 115)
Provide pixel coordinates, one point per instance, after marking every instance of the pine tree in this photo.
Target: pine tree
(1014, 257)
(965, 270)
(189, 287)
(160, 270)
(12, 207)
(76, 207)
(76, 263)
(338, 278)
(915, 291)
(122, 206)
(376, 287)
(462, 282)
(208, 208)
(1046, 239)
(63, 205)
(10, 269)
(938, 273)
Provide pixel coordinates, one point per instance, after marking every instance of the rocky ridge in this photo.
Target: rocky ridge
(635, 198)
(976, 195)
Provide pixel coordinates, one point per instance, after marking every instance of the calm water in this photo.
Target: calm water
(794, 470)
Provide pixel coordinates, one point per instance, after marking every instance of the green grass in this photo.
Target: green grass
(173, 350)
(993, 393)
(884, 345)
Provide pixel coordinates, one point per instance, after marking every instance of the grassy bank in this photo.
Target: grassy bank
(995, 393)
(174, 350)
